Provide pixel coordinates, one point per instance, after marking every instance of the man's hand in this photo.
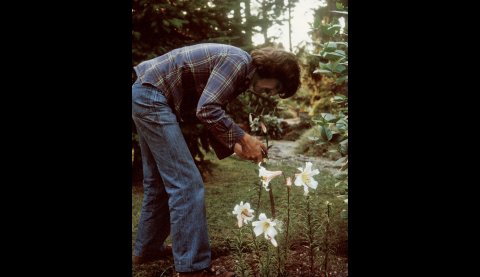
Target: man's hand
(250, 148)
(238, 151)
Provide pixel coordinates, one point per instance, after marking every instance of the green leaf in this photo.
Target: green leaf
(333, 56)
(325, 133)
(341, 176)
(344, 214)
(341, 160)
(342, 185)
(328, 117)
(330, 30)
(341, 80)
(343, 147)
(322, 71)
(330, 46)
(340, 12)
(177, 22)
(339, 53)
(334, 28)
(339, 68)
(342, 125)
(339, 6)
(326, 66)
(324, 29)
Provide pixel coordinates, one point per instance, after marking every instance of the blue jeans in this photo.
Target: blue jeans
(173, 201)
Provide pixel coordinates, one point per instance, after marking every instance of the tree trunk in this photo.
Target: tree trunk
(290, 26)
(265, 21)
(237, 19)
(248, 25)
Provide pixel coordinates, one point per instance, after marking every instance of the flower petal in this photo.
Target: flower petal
(274, 242)
(261, 171)
(271, 232)
(305, 190)
(262, 217)
(258, 230)
(246, 219)
(298, 180)
(308, 167)
(239, 221)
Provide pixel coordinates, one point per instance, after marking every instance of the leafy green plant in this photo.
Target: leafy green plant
(333, 127)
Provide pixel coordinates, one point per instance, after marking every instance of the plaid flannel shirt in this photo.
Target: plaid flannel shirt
(199, 81)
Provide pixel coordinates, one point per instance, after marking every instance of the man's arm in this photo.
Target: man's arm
(219, 90)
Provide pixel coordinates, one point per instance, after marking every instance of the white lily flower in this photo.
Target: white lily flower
(264, 128)
(289, 181)
(267, 176)
(305, 178)
(265, 226)
(243, 213)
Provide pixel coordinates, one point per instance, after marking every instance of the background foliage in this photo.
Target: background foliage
(162, 25)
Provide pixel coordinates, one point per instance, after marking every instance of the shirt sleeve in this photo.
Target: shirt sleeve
(219, 90)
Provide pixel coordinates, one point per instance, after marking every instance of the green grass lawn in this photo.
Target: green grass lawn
(232, 181)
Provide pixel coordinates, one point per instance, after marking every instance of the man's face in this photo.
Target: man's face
(267, 87)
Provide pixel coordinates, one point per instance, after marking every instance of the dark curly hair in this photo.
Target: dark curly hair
(278, 64)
